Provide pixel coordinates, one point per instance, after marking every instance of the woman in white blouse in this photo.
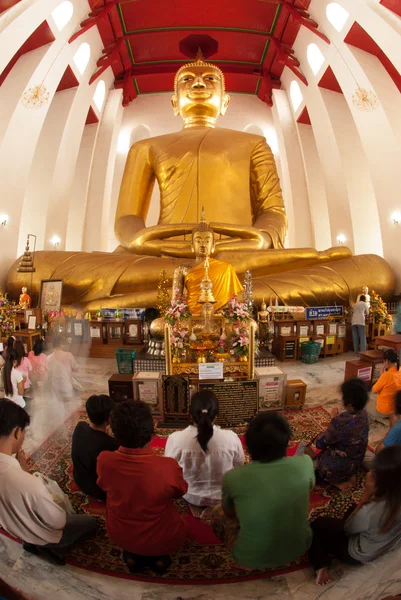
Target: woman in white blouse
(204, 451)
(13, 379)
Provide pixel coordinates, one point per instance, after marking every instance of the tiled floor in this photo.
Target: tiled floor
(46, 582)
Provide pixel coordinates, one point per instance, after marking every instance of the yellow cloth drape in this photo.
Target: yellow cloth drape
(224, 279)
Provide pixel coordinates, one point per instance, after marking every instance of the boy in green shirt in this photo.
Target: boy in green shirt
(265, 503)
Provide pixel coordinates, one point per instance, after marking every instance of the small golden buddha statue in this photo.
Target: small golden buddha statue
(234, 176)
(263, 315)
(24, 299)
(188, 279)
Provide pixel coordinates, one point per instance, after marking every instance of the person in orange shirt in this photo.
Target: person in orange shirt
(387, 386)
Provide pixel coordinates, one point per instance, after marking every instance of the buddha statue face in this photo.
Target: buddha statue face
(365, 290)
(199, 94)
(202, 243)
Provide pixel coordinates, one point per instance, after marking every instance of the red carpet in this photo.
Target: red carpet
(203, 560)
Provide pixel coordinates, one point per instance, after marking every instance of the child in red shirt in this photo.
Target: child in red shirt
(141, 517)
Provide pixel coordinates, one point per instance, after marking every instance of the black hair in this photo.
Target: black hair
(132, 423)
(11, 356)
(398, 403)
(392, 357)
(355, 393)
(99, 408)
(204, 410)
(20, 351)
(387, 471)
(362, 298)
(11, 416)
(38, 347)
(267, 437)
(10, 342)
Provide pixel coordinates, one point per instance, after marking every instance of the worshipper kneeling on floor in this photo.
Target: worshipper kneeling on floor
(38, 360)
(386, 387)
(141, 517)
(24, 366)
(62, 366)
(205, 452)
(88, 441)
(27, 510)
(13, 380)
(343, 444)
(372, 529)
(263, 518)
(393, 437)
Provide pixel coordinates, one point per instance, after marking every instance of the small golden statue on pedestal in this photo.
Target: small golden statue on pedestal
(263, 315)
(24, 299)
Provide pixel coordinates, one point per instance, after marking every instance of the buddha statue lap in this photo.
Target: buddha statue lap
(233, 175)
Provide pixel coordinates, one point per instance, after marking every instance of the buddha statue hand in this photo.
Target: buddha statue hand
(156, 240)
(242, 238)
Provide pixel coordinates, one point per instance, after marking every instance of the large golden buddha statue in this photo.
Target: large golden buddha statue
(233, 175)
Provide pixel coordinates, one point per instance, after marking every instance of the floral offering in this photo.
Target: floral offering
(236, 310)
(378, 309)
(178, 310)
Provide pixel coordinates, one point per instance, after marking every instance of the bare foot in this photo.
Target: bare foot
(323, 576)
(346, 486)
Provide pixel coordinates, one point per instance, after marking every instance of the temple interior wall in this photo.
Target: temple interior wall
(60, 171)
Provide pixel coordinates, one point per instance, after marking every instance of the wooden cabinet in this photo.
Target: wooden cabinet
(121, 387)
(295, 394)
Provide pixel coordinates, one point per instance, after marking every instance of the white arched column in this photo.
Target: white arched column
(98, 212)
(79, 189)
(38, 190)
(316, 188)
(338, 201)
(293, 183)
(67, 152)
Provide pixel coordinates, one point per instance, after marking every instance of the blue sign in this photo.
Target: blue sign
(322, 312)
(126, 313)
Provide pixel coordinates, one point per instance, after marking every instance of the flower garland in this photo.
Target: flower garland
(378, 309)
(7, 315)
(175, 315)
(235, 310)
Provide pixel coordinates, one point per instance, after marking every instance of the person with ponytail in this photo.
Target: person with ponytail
(13, 379)
(373, 528)
(204, 451)
(387, 386)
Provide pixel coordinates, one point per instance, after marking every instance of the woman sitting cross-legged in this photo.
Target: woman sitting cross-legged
(38, 360)
(141, 517)
(343, 444)
(204, 451)
(24, 366)
(372, 529)
(386, 387)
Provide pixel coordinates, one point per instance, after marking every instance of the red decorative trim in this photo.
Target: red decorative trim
(359, 38)
(42, 36)
(329, 81)
(393, 5)
(68, 80)
(304, 117)
(91, 117)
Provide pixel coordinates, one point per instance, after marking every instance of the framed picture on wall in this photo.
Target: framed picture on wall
(50, 295)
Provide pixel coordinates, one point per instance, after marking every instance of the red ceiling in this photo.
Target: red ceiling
(153, 30)
(304, 117)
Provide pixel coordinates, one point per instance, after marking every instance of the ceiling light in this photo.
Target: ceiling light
(341, 239)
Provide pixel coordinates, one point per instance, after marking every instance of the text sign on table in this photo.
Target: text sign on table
(211, 370)
(322, 312)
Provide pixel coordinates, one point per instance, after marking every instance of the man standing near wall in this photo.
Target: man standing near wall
(360, 311)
